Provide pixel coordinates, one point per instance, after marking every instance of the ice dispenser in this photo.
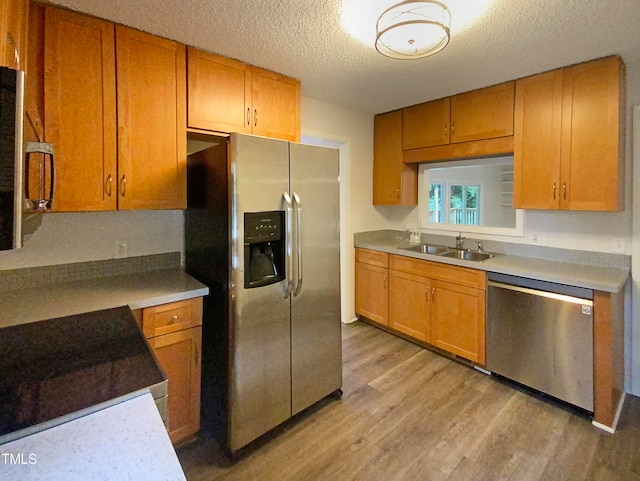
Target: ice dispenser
(264, 248)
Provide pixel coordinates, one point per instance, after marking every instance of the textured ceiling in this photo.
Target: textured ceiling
(305, 39)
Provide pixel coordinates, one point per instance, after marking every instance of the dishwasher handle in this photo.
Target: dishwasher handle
(535, 292)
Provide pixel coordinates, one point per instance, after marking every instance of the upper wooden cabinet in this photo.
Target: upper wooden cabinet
(569, 149)
(13, 33)
(135, 159)
(394, 182)
(152, 144)
(80, 57)
(426, 124)
(226, 95)
(481, 114)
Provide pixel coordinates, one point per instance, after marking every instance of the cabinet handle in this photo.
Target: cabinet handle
(446, 128)
(248, 116)
(433, 294)
(123, 186)
(564, 190)
(426, 293)
(554, 191)
(16, 54)
(385, 282)
(109, 185)
(173, 319)
(255, 118)
(453, 128)
(398, 193)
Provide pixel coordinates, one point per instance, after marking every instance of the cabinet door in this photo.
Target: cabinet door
(372, 297)
(79, 57)
(13, 33)
(394, 182)
(426, 125)
(219, 93)
(275, 105)
(179, 356)
(458, 320)
(482, 114)
(536, 161)
(592, 147)
(152, 95)
(409, 304)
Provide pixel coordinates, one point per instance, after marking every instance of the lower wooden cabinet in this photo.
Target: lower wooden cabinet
(372, 284)
(174, 333)
(434, 303)
(458, 320)
(410, 304)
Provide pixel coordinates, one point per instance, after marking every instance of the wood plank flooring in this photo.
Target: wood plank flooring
(409, 414)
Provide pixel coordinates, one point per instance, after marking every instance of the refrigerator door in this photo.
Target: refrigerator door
(316, 350)
(259, 327)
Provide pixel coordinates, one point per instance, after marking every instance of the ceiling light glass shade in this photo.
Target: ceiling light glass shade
(411, 30)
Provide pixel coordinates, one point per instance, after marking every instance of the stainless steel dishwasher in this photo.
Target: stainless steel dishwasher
(540, 334)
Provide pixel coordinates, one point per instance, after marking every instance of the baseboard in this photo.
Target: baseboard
(612, 429)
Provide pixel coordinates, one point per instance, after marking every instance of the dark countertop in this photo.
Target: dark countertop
(57, 367)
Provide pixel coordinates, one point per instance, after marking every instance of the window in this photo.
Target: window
(462, 201)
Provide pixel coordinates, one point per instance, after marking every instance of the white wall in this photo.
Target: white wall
(354, 131)
(88, 236)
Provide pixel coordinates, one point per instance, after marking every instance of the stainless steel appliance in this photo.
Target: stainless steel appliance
(11, 133)
(540, 334)
(262, 231)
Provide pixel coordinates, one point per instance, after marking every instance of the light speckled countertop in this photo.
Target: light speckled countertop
(605, 279)
(126, 441)
(64, 299)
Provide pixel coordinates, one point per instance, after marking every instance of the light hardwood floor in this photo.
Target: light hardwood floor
(409, 414)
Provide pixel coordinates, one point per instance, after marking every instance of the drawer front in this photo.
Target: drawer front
(374, 258)
(172, 317)
(458, 275)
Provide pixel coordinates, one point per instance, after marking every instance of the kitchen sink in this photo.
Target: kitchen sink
(467, 255)
(453, 252)
(427, 249)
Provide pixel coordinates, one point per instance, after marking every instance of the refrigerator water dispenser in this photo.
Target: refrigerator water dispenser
(264, 248)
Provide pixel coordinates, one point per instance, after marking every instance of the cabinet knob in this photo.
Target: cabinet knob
(554, 190)
(248, 116)
(173, 319)
(109, 185)
(564, 190)
(255, 118)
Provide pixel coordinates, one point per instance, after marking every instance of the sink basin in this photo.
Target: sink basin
(427, 249)
(467, 255)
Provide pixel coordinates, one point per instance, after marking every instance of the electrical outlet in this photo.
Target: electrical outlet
(618, 245)
(120, 249)
(538, 238)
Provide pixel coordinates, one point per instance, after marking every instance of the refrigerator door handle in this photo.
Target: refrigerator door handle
(298, 206)
(288, 206)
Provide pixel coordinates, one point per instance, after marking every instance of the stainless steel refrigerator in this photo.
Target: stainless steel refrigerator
(262, 231)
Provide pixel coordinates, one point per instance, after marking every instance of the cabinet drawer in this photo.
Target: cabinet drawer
(374, 258)
(435, 270)
(175, 316)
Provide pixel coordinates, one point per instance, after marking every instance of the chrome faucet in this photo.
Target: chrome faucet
(460, 241)
(479, 246)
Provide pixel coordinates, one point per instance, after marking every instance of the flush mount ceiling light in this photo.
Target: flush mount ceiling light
(411, 30)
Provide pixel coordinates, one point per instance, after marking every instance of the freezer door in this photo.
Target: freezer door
(316, 351)
(259, 327)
